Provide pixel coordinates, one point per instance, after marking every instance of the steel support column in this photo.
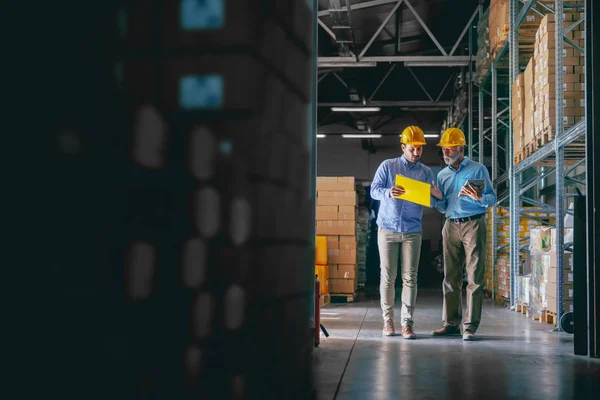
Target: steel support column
(560, 183)
(494, 165)
(592, 61)
(514, 179)
(470, 128)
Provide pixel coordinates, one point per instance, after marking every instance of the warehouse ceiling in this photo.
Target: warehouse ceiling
(381, 54)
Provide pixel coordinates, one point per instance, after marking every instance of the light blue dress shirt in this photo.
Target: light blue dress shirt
(451, 180)
(394, 214)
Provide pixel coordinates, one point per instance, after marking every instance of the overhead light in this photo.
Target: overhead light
(320, 136)
(432, 135)
(359, 136)
(355, 109)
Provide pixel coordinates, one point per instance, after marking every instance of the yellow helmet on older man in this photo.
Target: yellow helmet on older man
(413, 135)
(452, 137)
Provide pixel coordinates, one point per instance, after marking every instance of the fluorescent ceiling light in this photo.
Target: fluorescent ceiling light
(359, 136)
(432, 135)
(321, 136)
(355, 109)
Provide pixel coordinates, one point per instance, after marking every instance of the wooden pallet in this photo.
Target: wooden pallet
(521, 308)
(551, 318)
(343, 297)
(325, 299)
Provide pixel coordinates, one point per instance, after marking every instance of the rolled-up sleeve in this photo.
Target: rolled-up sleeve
(441, 205)
(379, 189)
(488, 195)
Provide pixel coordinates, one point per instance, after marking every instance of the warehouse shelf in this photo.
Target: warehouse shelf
(557, 158)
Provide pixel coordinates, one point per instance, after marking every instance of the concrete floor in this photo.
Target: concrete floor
(513, 357)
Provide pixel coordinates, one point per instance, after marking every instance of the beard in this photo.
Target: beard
(451, 160)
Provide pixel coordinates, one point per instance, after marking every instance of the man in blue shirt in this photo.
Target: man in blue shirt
(400, 229)
(464, 203)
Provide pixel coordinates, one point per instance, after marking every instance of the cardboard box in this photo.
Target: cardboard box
(335, 183)
(337, 256)
(336, 198)
(336, 228)
(342, 271)
(567, 290)
(552, 305)
(342, 286)
(325, 213)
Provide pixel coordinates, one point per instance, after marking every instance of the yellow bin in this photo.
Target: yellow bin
(321, 250)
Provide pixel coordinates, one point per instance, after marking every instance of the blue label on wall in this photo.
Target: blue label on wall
(202, 14)
(201, 92)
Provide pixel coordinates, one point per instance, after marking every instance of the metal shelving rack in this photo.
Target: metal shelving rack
(562, 145)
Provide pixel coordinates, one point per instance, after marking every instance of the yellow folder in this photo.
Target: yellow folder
(415, 191)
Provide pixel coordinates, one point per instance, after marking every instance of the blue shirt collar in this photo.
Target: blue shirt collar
(462, 164)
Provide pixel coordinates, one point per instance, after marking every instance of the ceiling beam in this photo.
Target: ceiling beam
(409, 104)
(429, 61)
(366, 4)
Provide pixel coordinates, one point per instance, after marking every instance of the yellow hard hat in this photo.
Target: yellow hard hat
(452, 137)
(412, 135)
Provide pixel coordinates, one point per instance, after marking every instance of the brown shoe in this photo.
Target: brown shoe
(388, 328)
(446, 331)
(407, 332)
(468, 335)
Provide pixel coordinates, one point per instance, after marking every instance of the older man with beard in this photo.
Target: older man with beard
(464, 233)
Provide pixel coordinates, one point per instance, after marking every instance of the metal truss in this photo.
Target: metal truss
(446, 60)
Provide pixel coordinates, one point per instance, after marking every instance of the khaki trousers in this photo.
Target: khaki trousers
(390, 243)
(464, 243)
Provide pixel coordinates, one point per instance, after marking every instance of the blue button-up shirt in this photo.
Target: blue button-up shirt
(451, 180)
(395, 214)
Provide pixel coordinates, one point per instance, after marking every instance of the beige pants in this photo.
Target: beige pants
(464, 243)
(390, 243)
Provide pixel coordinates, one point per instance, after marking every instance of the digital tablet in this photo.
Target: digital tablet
(475, 182)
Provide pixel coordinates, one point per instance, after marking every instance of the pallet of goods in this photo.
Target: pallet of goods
(545, 77)
(499, 29)
(518, 118)
(500, 270)
(337, 208)
(543, 277)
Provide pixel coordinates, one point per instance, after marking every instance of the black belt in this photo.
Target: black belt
(466, 219)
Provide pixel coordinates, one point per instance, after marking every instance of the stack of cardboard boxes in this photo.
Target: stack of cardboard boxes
(518, 109)
(545, 77)
(336, 220)
(543, 283)
(501, 269)
(529, 108)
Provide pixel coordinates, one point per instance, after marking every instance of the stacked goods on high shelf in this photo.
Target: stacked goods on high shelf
(545, 77)
(483, 62)
(337, 203)
(322, 269)
(543, 281)
(499, 29)
(500, 270)
(529, 110)
(518, 119)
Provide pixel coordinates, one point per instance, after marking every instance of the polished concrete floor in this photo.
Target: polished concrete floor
(513, 357)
